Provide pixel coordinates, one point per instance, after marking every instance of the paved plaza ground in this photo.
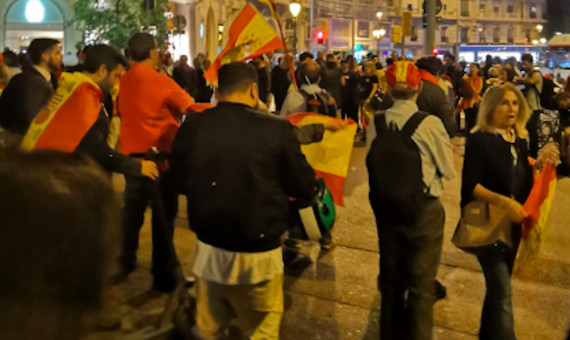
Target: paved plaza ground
(335, 297)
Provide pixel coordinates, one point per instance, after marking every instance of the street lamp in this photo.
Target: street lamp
(539, 28)
(379, 15)
(295, 9)
(542, 41)
(378, 34)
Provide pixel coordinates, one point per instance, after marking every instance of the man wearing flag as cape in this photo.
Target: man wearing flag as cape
(75, 119)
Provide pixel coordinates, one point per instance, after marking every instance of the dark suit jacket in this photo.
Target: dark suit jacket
(24, 97)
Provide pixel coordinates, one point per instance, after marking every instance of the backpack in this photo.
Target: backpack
(395, 172)
(320, 102)
(546, 96)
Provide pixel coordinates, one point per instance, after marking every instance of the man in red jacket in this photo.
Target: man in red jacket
(151, 105)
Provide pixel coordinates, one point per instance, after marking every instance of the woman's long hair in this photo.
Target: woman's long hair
(492, 99)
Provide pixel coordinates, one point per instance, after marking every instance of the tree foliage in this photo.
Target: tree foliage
(115, 21)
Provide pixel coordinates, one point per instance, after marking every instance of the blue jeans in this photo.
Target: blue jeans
(497, 320)
(409, 259)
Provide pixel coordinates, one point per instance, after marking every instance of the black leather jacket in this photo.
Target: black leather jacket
(239, 167)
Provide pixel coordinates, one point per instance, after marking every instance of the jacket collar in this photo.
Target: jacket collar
(426, 76)
(45, 73)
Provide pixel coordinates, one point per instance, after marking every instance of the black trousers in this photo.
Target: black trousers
(471, 118)
(409, 259)
(163, 201)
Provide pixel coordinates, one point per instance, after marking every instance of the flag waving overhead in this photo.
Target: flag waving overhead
(537, 206)
(330, 158)
(250, 36)
(70, 113)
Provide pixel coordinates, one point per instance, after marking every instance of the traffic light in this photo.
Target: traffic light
(435, 51)
(320, 36)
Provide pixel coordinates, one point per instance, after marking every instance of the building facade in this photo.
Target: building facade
(23, 20)
(348, 24)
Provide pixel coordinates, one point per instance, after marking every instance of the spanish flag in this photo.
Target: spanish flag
(250, 36)
(70, 113)
(330, 158)
(537, 206)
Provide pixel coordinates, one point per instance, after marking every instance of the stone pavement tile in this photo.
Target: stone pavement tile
(342, 274)
(540, 311)
(313, 318)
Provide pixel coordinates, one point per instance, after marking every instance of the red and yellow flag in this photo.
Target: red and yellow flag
(537, 206)
(71, 112)
(250, 36)
(330, 158)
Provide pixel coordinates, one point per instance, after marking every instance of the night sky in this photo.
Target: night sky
(558, 16)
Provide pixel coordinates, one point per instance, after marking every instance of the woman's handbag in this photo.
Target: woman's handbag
(482, 224)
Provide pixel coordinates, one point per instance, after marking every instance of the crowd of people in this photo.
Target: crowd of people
(240, 164)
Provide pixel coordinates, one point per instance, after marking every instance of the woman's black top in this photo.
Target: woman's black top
(497, 165)
(366, 84)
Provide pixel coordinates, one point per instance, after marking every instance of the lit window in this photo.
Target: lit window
(34, 11)
(533, 12)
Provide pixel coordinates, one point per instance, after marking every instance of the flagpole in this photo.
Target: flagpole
(289, 60)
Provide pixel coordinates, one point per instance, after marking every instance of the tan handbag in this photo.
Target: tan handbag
(482, 224)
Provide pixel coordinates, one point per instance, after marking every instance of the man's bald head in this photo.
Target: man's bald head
(310, 72)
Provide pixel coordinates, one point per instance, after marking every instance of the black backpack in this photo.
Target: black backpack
(319, 102)
(395, 172)
(546, 96)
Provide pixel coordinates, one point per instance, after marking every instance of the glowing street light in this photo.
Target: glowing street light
(378, 34)
(539, 28)
(295, 9)
(542, 41)
(379, 15)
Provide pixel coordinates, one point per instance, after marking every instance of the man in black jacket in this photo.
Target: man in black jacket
(432, 99)
(29, 92)
(239, 167)
(103, 66)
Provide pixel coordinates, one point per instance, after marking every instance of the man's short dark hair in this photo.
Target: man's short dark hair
(140, 46)
(305, 55)
(449, 55)
(236, 77)
(103, 55)
(527, 57)
(310, 71)
(11, 59)
(54, 250)
(430, 64)
(39, 47)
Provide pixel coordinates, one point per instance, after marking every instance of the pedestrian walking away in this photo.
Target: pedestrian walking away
(238, 191)
(404, 195)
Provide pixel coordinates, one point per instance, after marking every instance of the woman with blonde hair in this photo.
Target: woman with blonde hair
(496, 171)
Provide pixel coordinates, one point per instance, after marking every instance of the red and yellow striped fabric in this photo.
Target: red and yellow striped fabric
(71, 112)
(250, 36)
(537, 206)
(330, 158)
